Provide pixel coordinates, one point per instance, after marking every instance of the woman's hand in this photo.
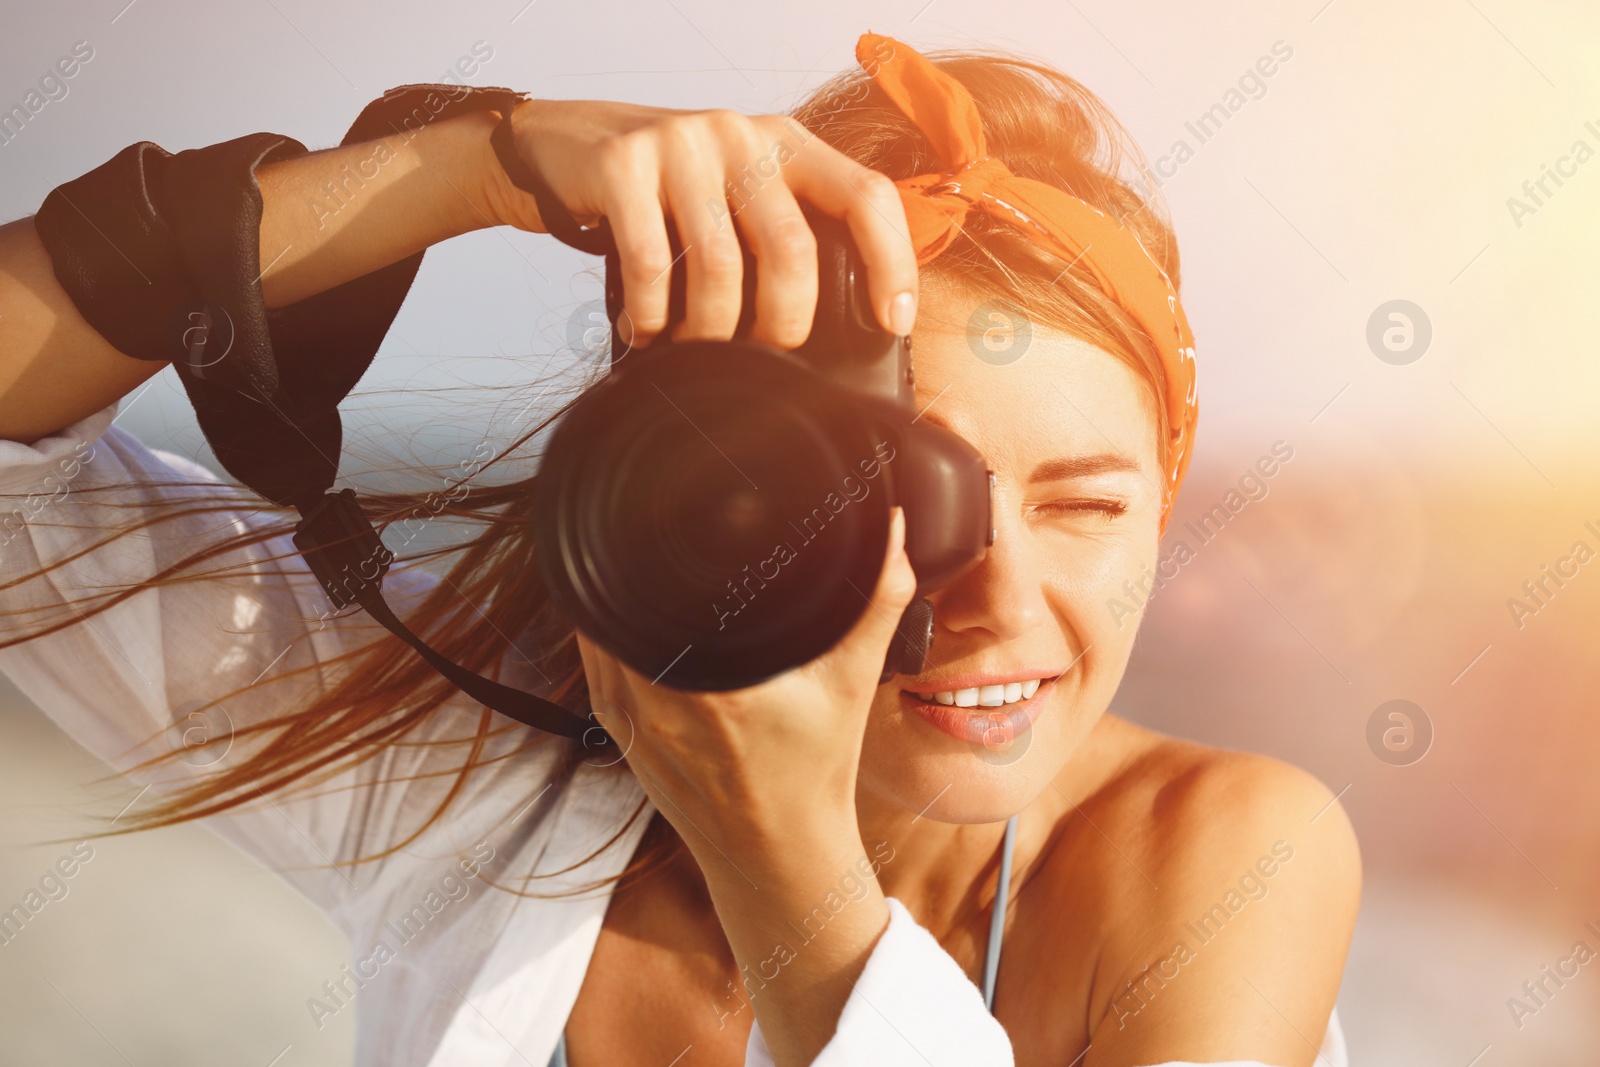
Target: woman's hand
(760, 784)
(752, 769)
(638, 165)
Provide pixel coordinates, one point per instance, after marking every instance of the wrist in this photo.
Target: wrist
(502, 200)
(779, 840)
(770, 890)
(458, 152)
(800, 944)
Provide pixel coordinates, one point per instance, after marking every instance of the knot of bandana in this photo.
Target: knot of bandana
(937, 205)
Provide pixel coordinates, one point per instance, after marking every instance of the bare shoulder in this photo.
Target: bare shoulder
(1197, 806)
(1226, 895)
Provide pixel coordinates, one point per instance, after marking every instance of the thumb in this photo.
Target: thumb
(869, 638)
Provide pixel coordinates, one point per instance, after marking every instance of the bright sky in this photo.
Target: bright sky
(1374, 163)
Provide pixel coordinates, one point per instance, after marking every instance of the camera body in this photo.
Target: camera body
(716, 512)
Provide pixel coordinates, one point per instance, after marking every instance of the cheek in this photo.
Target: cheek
(1099, 585)
(1099, 588)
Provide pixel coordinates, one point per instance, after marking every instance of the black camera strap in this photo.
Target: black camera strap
(161, 255)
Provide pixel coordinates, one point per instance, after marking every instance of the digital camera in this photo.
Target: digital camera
(716, 512)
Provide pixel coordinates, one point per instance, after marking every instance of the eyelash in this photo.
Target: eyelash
(1110, 509)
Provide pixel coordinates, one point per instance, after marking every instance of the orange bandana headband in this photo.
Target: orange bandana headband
(937, 204)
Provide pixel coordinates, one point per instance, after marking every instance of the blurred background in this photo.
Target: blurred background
(1389, 263)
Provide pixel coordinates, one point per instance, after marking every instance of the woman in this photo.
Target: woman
(812, 864)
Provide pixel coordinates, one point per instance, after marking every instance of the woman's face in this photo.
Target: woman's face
(1070, 433)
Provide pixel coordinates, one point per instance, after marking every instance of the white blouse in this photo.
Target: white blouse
(445, 971)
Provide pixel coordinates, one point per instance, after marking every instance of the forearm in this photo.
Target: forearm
(54, 368)
(327, 217)
(801, 922)
(335, 215)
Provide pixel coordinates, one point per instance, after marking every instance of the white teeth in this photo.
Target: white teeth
(988, 696)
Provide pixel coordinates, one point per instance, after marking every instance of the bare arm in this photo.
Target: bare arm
(1239, 952)
(630, 163)
(55, 368)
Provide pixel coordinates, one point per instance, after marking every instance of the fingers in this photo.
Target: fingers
(696, 152)
(897, 584)
(630, 172)
(870, 204)
(590, 654)
(786, 266)
(690, 158)
(606, 675)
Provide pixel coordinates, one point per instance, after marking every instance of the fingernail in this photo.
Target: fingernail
(902, 312)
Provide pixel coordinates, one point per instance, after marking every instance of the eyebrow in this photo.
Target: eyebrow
(1061, 468)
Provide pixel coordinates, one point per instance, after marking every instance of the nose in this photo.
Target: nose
(1003, 597)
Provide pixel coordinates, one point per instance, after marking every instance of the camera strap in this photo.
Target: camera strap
(160, 253)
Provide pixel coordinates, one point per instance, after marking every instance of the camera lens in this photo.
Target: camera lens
(708, 512)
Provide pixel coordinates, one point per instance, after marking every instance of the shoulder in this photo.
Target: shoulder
(1232, 906)
(1206, 806)
(1191, 812)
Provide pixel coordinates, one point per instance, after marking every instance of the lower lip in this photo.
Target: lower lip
(981, 725)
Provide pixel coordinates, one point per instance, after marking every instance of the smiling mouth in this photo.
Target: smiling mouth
(988, 715)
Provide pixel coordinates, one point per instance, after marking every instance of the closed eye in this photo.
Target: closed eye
(1108, 509)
